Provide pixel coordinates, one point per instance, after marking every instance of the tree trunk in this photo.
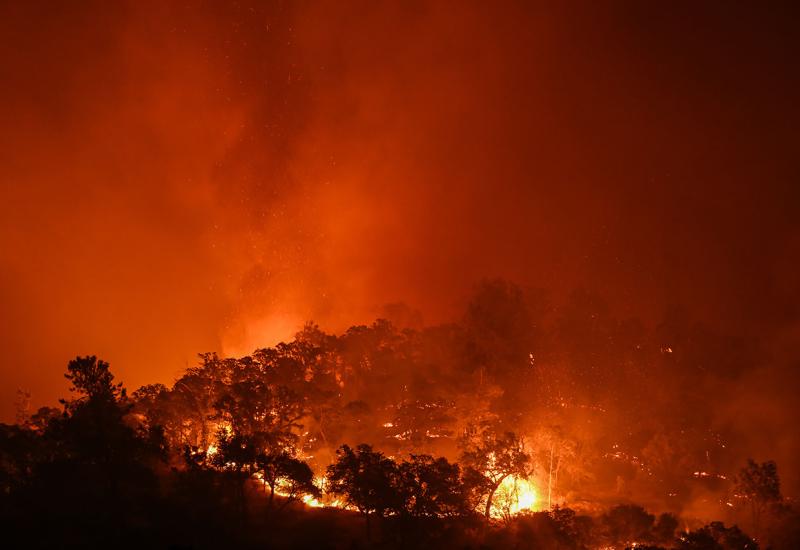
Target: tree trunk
(322, 433)
(488, 511)
(756, 508)
(550, 481)
(558, 465)
(203, 431)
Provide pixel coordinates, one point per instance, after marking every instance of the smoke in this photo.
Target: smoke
(189, 177)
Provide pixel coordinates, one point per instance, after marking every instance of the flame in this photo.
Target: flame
(323, 502)
(514, 495)
(308, 500)
(326, 502)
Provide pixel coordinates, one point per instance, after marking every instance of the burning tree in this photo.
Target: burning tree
(492, 458)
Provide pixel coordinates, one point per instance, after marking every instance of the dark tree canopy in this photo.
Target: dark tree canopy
(432, 487)
(91, 378)
(365, 479)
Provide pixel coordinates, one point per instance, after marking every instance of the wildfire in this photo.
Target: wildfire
(325, 501)
(514, 495)
(308, 500)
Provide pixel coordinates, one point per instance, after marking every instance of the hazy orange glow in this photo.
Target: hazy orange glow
(207, 177)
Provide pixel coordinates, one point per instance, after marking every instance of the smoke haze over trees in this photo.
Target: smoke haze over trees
(533, 267)
(210, 176)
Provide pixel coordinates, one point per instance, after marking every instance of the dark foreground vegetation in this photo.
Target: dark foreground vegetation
(267, 451)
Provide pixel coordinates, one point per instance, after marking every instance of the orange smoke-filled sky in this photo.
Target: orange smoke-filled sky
(180, 177)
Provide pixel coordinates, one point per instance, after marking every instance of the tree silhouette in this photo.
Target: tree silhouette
(493, 458)
(292, 476)
(432, 487)
(92, 379)
(758, 485)
(499, 329)
(664, 529)
(253, 407)
(236, 455)
(366, 480)
(191, 404)
(95, 458)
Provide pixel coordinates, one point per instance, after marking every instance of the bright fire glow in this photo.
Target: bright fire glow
(514, 496)
(308, 500)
